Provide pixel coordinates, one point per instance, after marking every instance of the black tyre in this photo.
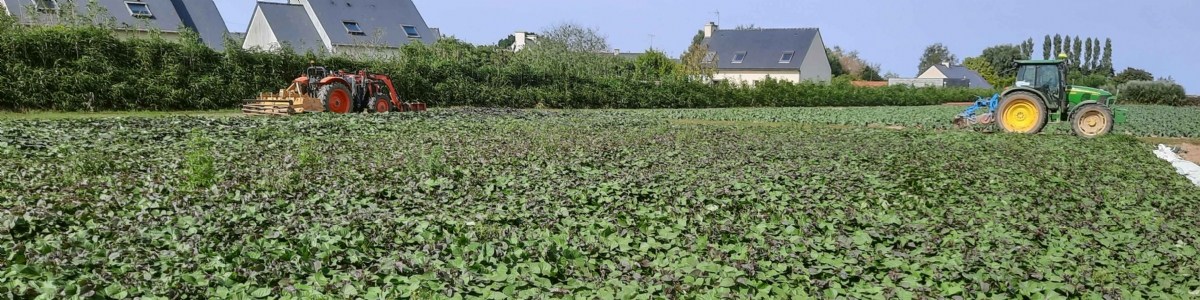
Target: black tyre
(1091, 120)
(337, 98)
(380, 105)
(1022, 112)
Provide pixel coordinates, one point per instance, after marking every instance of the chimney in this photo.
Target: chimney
(946, 63)
(709, 29)
(617, 51)
(519, 40)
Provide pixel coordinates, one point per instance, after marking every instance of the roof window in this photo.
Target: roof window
(787, 57)
(139, 9)
(353, 28)
(411, 31)
(739, 57)
(45, 5)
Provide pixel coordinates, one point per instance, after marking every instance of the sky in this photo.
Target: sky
(1155, 35)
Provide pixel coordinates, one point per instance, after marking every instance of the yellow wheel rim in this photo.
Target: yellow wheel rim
(1092, 123)
(1020, 115)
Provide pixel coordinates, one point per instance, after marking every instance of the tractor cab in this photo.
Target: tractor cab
(1047, 77)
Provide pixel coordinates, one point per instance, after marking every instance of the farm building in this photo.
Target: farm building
(948, 71)
(131, 19)
(751, 55)
(368, 27)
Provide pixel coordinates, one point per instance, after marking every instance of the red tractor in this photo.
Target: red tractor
(319, 89)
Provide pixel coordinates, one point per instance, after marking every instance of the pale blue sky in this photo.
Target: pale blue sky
(1156, 35)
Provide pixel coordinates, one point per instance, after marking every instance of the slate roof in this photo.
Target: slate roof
(763, 47)
(169, 16)
(961, 72)
(204, 17)
(381, 20)
(290, 24)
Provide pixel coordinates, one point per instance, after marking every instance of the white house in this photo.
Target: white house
(751, 55)
(131, 18)
(522, 39)
(948, 71)
(338, 26)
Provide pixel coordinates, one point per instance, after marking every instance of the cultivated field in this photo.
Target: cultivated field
(592, 204)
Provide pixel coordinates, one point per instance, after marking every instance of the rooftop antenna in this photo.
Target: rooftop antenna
(651, 41)
(718, 13)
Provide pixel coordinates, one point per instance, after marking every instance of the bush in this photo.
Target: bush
(89, 68)
(1152, 92)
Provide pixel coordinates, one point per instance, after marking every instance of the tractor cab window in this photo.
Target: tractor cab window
(1026, 76)
(1047, 77)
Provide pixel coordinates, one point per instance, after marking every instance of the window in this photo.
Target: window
(739, 57)
(46, 4)
(411, 31)
(353, 28)
(1026, 76)
(787, 57)
(1047, 78)
(139, 9)
(710, 57)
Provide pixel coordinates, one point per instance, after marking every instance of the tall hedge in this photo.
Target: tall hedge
(1153, 92)
(88, 68)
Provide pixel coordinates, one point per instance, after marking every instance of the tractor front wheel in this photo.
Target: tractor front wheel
(336, 97)
(380, 105)
(1091, 120)
(1022, 112)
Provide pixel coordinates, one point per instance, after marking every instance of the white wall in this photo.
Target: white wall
(260, 35)
(750, 77)
(932, 73)
(816, 64)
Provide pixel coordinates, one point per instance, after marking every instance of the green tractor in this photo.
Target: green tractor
(1040, 96)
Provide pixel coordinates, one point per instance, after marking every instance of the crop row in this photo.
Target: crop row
(1143, 120)
(493, 203)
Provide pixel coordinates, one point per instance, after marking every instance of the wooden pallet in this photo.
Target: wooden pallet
(267, 107)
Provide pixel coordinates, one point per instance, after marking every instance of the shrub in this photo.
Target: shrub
(89, 68)
(1152, 92)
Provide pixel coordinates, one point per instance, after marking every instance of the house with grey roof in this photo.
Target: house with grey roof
(130, 18)
(371, 27)
(747, 56)
(949, 71)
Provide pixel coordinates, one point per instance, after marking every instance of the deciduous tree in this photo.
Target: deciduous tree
(935, 54)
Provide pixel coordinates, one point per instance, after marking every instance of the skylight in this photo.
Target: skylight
(787, 57)
(46, 4)
(411, 31)
(353, 28)
(737, 58)
(139, 9)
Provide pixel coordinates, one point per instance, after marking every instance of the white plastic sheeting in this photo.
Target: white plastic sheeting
(1184, 167)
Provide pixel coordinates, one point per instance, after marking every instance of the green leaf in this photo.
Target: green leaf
(261, 293)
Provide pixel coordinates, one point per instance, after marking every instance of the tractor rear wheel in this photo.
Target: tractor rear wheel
(1022, 112)
(336, 97)
(380, 105)
(1091, 120)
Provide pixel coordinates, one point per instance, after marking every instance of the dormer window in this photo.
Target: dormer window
(787, 57)
(45, 5)
(411, 31)
(139, 9)
(710, 57)
(353, 28)
(739, 57)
